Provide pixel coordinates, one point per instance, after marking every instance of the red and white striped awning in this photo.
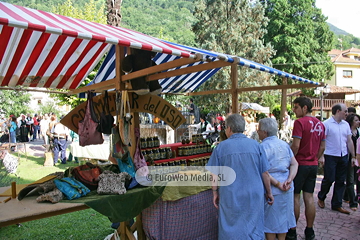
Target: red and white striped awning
(41, 49)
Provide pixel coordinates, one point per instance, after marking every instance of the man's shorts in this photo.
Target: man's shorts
(305, 179)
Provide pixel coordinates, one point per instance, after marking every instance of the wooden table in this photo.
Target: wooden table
(15, 211)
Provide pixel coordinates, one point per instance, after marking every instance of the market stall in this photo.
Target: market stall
(52, 51)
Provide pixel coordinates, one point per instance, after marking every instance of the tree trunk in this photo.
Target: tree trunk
(114, 14)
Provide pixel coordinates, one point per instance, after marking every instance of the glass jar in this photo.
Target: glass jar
(156, 153)
(143, 143)
(156, 142)
(171, 165)
(149, 142)
(165, 167)
(158, 168)
(162, 153)
(183, 164)
(180, 151)
(177, 165)
(168, 153)
(143, 152)
(149, 155)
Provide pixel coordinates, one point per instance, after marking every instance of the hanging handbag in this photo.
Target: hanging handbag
(106, 119)
(117, 148)
(139, 160)
(125, 118)
(112, 183)
(88, 134)
(88, 174)
(71, 188)
(126, 164)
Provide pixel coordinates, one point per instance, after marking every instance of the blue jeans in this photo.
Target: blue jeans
(334, 170)
(13, 137)
(59, 146)
(36, 129)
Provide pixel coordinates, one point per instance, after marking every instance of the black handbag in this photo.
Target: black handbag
(106, 119)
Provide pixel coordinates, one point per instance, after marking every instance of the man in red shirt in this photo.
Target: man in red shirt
(35, 127)
(308, 146)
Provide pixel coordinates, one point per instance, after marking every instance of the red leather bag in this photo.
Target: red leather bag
(88, 135)
(87, 174)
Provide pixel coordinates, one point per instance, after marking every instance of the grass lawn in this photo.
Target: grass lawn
(85, 224)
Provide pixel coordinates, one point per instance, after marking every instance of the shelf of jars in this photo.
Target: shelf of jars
(184, 153)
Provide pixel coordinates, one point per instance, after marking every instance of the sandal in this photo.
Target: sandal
(353, 208)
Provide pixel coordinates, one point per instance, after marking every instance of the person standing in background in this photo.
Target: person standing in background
(241, 203)
(308, 146)
(12, 124)
(60, 133)
(351, 175)
(35, 127)
(44, 126)
(29, 126)
(338, 145)
(279, 217)
(22, 125)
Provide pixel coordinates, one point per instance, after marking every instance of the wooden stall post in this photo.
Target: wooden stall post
(283, 103)
(234, 88)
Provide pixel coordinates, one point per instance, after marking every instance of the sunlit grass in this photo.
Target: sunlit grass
(85, 224)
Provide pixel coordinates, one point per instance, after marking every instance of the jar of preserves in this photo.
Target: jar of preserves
(156, 142)
(168, 153)
(171, 165)
(162, 153)
(181, 151)
(156, 153)
(149, 154)
(149, 142)
(177, 165)
(143, 152)
(143, 143)
(165, 167)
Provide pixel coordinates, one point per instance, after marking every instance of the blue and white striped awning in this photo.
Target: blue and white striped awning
(189, 82)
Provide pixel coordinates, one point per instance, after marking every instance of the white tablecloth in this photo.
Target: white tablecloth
(100, 151)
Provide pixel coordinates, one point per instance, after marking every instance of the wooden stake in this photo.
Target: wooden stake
(13, 189)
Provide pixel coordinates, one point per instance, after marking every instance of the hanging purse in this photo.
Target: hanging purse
(139, 160)
(71, 187)
(88, 174)
(106, 119)
(125, 118)
(126, 164)
(117, 148)
(87, 132)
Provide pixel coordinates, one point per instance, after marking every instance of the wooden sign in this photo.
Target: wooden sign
(148, 103)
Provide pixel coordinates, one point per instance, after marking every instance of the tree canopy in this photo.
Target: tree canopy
(14, 102)
(301, 37)
(236, 28)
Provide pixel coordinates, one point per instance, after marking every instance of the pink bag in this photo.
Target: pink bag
(88, 135)
(139, 160)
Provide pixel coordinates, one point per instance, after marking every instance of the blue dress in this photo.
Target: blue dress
(279, 217)
(241, 212)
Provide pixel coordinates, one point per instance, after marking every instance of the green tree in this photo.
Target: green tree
(14, 102)
(235, 28)
(50, 107)
(301, 37)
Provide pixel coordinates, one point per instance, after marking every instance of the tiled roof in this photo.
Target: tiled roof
(341, 56)
(333, 89)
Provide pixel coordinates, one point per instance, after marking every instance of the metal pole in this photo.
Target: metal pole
(321, 105)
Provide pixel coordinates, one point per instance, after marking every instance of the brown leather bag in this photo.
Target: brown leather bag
(87, 174)
(88, 135)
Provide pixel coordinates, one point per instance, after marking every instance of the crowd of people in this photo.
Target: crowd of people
(32, 128)
(274, 173)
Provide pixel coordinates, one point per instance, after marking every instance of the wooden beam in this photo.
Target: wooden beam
(209, 92)
(101, 85)
(283, 103)
(234, 92)
(197, 68)
(276, 87)
(159, 68)
(32, 90)
(249, 89)
(120, 55)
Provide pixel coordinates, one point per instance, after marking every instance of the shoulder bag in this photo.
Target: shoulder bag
(88, 135)
(106, 119)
